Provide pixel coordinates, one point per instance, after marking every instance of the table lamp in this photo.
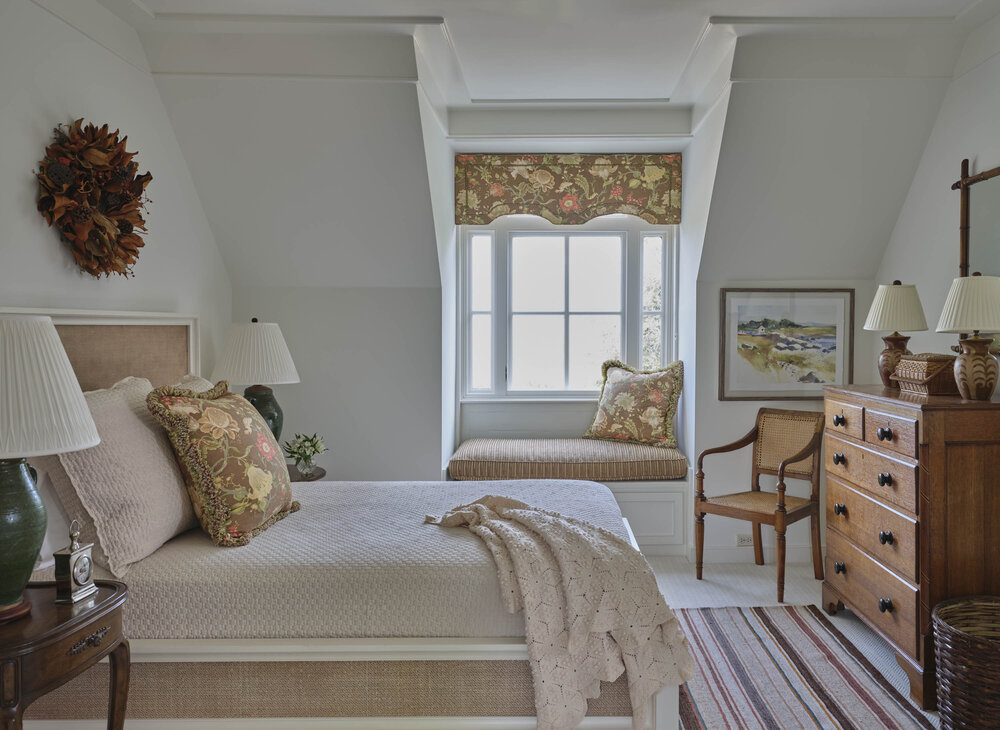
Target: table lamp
(42, 411)
(896, 308)
(973, 305)
(255, 352)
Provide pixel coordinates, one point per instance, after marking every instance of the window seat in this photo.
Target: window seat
(575, 458)
(650, 483)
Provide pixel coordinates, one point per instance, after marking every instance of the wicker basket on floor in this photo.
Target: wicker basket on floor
(967, 649)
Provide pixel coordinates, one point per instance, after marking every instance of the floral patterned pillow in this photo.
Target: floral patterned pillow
(638, 405)
(235, 473)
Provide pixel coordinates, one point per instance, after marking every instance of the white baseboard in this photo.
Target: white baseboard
(664, 551)
(721, 554)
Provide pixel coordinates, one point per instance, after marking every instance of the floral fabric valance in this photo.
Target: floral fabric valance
(567, 189)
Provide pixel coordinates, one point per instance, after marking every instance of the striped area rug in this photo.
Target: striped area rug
(783, 667)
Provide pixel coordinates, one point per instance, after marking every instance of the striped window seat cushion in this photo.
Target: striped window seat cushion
(591, 459)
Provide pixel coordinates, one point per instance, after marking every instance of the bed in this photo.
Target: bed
(324, 638)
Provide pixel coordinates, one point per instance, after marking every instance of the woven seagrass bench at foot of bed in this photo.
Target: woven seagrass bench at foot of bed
(590, 459)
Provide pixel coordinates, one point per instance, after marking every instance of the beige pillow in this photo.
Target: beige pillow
(127, 491)
(189, 382)
(638, 405)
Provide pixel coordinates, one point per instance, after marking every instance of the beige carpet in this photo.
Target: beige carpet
(746, 584)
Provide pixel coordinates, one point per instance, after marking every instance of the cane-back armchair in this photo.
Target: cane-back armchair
(786, 444)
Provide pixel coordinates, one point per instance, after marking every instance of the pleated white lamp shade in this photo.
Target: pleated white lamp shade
(896, 308)
(973, 305)
(42, 409)
(255, 353)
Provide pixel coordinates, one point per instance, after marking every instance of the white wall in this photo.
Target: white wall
(51, 73)
(317, 189)
(369, 359)
(814, 165)
(923, 249)
(441, 181)
(701, 160)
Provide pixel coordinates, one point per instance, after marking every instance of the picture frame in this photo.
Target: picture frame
(784, 343)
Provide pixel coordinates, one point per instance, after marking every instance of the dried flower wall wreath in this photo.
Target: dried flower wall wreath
(90, 190)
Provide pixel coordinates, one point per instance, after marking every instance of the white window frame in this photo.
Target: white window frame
(501, 231)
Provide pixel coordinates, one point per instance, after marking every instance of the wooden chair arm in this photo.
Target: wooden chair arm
(745, 441)
(813, 444)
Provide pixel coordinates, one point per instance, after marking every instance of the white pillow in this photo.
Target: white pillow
(127, 491)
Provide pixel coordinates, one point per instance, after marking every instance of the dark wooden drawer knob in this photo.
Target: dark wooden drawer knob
(884, 434)
(885, 605)
(839, 420)
(839, 459)
(885, 537)
(840, 509)
(884, 480)
(839, 568)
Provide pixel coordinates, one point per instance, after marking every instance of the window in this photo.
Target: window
(544, 306)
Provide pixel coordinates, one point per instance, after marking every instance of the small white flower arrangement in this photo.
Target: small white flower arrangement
(303, 449)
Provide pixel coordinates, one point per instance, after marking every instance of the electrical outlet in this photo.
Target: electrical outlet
(744, 541)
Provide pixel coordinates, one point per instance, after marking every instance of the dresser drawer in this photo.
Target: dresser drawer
(888, 431)
(71, 652)
(889, 536)
(844, 418)
(864, 467)
(864, 583)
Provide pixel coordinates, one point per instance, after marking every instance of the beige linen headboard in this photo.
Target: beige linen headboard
(105, 347)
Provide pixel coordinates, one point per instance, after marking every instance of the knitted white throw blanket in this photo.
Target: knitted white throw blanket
(592, 608)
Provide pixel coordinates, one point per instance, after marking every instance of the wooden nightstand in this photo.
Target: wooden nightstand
(54, 643)
(295, 476)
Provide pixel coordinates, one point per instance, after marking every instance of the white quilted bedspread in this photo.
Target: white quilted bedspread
(356, 561)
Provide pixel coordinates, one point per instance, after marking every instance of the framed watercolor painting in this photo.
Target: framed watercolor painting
(784, 344)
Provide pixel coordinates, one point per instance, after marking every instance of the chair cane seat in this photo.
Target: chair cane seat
(764, 503)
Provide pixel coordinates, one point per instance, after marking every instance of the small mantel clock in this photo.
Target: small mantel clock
(74, 569)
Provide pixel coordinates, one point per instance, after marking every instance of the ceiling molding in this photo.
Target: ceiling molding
(575, 123)
(266, 75)
(293, 19)
(851, 20)
(774, 58)
(457, 62)
(576, 102)
(225, 55)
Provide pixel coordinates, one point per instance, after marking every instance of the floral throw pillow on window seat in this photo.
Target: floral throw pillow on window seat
(638, 405)
(234, 470)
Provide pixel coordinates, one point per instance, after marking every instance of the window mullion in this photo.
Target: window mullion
(502, 316)
(632, 293)
(565, 312)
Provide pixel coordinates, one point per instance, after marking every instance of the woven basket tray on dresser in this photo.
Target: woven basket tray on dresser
(927, 373)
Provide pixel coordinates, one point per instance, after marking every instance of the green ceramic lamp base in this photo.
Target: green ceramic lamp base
(12, 613)
(23, 517)
(262, 398)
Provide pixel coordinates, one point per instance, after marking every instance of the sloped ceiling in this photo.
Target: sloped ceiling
(537, 51)
(309, 181)
(813, 170)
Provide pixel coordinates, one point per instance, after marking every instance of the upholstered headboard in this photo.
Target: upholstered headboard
(105, 347)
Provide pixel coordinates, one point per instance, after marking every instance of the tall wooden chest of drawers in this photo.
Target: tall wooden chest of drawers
(912, 513)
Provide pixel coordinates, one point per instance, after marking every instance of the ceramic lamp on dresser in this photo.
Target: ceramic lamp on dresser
(255, 352)
(896, 308)
(973, 306)
(42, 411)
